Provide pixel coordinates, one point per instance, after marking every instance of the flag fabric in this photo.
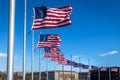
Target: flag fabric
(77, 64)
(49, 40)
(71, 63)
(46, 17)
(47, 53)
(114, 70)
(61, 57)
(47, 44)
(103, 69)
(64, 62)
(94, 67)
(52, 52)
(53, 58)
(53, 38)
(55, 52)
(85, 66)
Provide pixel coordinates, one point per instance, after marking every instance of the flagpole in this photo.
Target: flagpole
(98, 71)
(79, 68)
(55, 69)
(32, 56)
(40, 65)
(10, 51)
(24, 42)
(40, 61)
(62, 71)
(47, 68)
(71, 68)
(109, 73)
(89, 69)
(98, 74)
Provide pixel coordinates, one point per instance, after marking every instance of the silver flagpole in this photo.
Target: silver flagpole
(79, 68)
(89, 69)
(24, 42)
(98, 74)
(55, 68)
(98, 71)
(71, 68)
(47, 68)
(32, 64)
(40, 65)
(63, 70)
(40, 61)
(10, 50)
(109, 73)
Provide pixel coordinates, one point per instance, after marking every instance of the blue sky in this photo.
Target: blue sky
(94, 33)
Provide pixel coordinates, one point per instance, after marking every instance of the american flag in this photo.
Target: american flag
(52, 58)
(49, 40)
(55, 52)
(53, 38)
(85, 66)
(71, 63)
(77, 64)
(47, 53)
(94, 67)
(61, 57)
(64, 62)
(46, 17)
(103, 69)
(47, 44)
(114, 70)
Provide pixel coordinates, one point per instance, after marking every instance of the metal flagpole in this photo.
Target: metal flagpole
(98, 74)
(47, 68)
(32, 56)
(40, 65)
(63, 71)
(79, 68)
(55, 69)
(98, 71)
(10, 50)
(71, 68)
(24, 42)
(109, 73)
(40, 62)
(89, 69)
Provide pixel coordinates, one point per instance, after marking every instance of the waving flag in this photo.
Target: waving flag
(114, 70)
(47, 44)
(49, 40)
(94, 67)
(85, 66)
(55, 52)
(77, 64)
(71, 63)
(53, 58)
(47, 53)
(46, 17)
(64, 62)
(103, 69)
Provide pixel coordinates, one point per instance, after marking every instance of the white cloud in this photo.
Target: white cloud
(3, 55)
(109, 53)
